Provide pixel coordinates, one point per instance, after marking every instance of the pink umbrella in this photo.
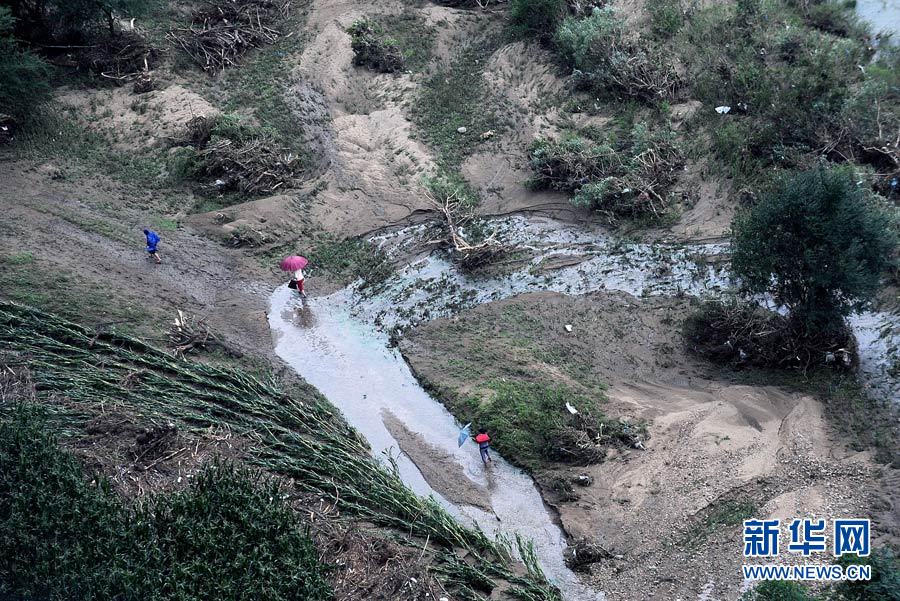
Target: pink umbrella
(293, 263)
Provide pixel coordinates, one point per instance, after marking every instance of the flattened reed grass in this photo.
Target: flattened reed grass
(305, 440)
(229, 535)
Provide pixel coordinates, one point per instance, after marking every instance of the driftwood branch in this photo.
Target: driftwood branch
(469, 255)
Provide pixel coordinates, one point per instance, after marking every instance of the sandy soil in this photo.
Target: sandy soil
(712, 445)
(92, 229)
(157, 118)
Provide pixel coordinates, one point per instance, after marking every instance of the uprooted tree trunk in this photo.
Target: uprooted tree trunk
(188, 334)
(456, 216)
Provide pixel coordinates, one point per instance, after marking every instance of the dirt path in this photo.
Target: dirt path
(91, 230)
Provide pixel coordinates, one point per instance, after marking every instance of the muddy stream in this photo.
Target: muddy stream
(340, 345)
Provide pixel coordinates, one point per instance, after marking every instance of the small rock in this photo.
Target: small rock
(461, 130)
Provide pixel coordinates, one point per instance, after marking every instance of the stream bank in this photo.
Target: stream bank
(341, 345)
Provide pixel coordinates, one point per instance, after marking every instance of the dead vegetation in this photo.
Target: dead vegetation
(368, 565)
(189, 334)
(237, 157)
(582, 553)
(746, 335)
(221, 31)
(121, 58)
(470, 252)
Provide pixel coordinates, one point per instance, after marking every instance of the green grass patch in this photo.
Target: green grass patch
(414, 36)
(25, 280)
(727, 514)
(350, 259)
(54, 136)
(530, 425)
(229, 535)
(259, 88)
(165, 224)
(456, 96)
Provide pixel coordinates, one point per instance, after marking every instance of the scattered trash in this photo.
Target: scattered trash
(461, 130)
(571, 409)
(723, 110)
(583, 480)
(583, 553)
(488, 134)
(568, 327)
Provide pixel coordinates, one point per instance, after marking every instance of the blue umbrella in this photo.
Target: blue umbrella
(464, 434)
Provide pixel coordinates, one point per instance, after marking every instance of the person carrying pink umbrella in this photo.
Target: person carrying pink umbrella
(295, 264)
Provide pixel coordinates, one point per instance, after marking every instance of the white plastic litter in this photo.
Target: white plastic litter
(568, 327)
(723, 110)
(571, 409)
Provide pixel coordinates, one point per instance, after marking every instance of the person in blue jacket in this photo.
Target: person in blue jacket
(152, 242)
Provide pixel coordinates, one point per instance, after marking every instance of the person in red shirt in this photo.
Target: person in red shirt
(484, 445)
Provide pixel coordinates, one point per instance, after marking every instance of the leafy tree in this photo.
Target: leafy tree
(777, 590)
(818, 244)
(23, 75)
(75, 15)
(885, 582)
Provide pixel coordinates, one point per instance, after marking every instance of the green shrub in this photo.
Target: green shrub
(372, 49)
(184, 163)
(885, 582)
(620, 178)
(24, 77)
(666, 17)
(607, 59)
(537, 17)
(777, 590)
(818, 244)
(230, 535)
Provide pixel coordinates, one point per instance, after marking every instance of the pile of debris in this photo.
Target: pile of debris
(743, 334)
(250, 161)
(468, 253)
(189, 334)
(583, 553)
(121, 58)
(221, 31)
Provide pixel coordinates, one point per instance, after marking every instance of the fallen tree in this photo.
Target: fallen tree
(455, 209)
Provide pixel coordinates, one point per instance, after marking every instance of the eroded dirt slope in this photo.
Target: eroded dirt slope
(717, 452)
